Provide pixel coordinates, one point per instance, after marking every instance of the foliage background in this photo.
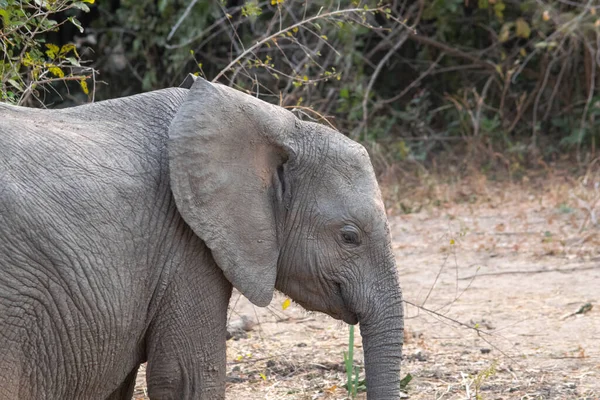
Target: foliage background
(505, 84)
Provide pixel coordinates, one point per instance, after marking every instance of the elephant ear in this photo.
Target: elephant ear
(225, 148)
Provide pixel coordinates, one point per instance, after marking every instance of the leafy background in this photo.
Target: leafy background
(502, 84)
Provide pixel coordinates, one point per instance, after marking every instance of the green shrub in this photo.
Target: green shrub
(30, 64)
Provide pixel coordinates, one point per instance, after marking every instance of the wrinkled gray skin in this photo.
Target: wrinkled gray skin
(125, 223)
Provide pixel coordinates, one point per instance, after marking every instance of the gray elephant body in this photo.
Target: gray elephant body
(95, 256)
(102, 266)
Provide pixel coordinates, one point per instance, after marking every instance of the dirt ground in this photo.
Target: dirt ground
(499, 271)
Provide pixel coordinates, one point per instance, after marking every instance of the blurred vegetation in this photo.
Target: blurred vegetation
(30, 64)
(509, 84)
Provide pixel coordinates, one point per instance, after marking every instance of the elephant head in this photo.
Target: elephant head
(291, 205)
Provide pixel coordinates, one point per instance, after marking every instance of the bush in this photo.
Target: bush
(519, 77)
(29, 63)
(507, 82)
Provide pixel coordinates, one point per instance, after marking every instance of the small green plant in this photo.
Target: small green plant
(405, 381)
(481, 377)
(353, 384)
(476, 382)
(564, 208)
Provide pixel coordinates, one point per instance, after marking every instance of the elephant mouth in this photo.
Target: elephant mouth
(343, 312)
(330, 300)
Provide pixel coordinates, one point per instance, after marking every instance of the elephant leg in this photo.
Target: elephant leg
(125, 391)
(186, 341)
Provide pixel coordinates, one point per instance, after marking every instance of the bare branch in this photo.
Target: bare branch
(287, 29)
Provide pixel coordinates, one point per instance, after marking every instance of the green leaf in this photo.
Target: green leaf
(405, 381)
(251, 9)
(49, 23)
(505, 32)
(73, 61)
(543, 45)
(81, 6)
(584, 308)
(499, 9)
(15, 84)
(5, 16)
(77, 24)
(522, 28)
(499, 69)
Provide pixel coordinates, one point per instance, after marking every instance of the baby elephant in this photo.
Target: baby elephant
(125, 223)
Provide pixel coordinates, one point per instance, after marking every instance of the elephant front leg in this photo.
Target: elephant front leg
(186, 347)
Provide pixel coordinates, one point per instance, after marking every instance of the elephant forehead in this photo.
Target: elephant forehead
(357, 203)
(353, 181)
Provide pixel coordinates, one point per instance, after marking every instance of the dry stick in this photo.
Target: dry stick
(306, 110)
(290, 12)
(504, 92)
(383, 61)
(480, 102)
(289, 28)
(589, 215)
(576, 4)
(259, 330)
(523, 107)
(589, 99)
(253, 360)
(385, 39)
(93, 85)
(480, 332)
(277, 315)
(241, 68)
(456, 297)
(218, 23)
(563, 68)
(29, 90)
(557, 32)
(548, 70)
(452, 51)
(436, 279)
(536, 103)
(234, 30)
(415, 82)
(233, 309)
(181, 19)
(534, 271)
(455, 68)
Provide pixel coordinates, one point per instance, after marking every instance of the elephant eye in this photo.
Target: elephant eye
(350, 235)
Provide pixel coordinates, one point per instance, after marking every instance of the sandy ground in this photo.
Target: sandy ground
(499, 278)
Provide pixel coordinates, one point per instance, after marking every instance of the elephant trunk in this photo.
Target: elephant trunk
(383, 335)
